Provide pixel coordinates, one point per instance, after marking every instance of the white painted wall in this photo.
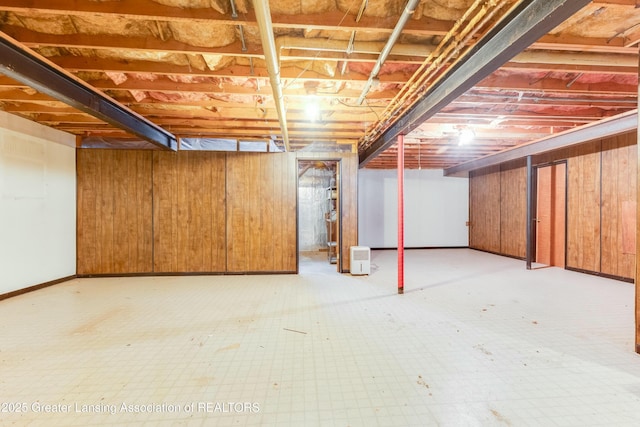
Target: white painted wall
(37, 204)
(436, 209)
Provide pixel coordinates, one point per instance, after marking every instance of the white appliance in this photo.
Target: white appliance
(360, 260)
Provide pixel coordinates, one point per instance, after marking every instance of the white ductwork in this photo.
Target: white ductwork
(263, 17)
(421, 50)
(373, 48)
(406, 14)
(578, 59)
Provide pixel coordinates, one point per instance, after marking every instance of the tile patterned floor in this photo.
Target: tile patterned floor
(476, 340)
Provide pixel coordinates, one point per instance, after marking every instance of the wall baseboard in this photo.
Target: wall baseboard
(605, 275)
(499, 254)
(36, 287)
(577, 270)
(394, 248)
(183, 274)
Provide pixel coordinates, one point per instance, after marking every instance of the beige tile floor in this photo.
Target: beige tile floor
(476, 340)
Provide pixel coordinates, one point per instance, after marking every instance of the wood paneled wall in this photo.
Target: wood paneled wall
(513, 209)
(114, 233)
(189, 212)
(583, 207)
(497, 209)
(619, 173)
(484, 209)
(196, 212)
(261, 212)
(601, 206)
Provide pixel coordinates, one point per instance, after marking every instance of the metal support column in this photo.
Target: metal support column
(400, 214)
(637, 281)
(530, 207)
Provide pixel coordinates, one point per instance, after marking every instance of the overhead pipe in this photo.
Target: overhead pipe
(263, 17)
(421, 50)
(344, 46)
(406, 14)
(475, 18)
(514, 32)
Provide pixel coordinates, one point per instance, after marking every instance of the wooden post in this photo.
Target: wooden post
(401, 214)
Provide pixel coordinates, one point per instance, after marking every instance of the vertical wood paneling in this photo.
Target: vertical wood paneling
(484, 209)
(583, 208)
(261, 212)
(165, 212)
(189, 212)
(513, 209)
(87, 170)
(349, 207)
(601, 206)
(551, 215)
(618, 201)
(559, 215)
(143, 211)
(279, 185)
(114, 212)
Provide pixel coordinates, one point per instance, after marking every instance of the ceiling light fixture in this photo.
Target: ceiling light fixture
(312, 110)
(466, 137)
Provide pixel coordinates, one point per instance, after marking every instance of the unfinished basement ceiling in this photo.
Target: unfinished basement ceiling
(197, 69)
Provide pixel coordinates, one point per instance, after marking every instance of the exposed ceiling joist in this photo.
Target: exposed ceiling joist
(622, 123)
(196, 69)
(518, 30)
(148, 10)
(152, 11)
(32, 70)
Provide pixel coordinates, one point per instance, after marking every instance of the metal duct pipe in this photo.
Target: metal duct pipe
(448, 49)
(406, 14)
(523, 24)
(421, 50)
(263, 17)
(579, 59)
(328, 45)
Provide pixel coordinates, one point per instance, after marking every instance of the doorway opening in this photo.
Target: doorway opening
(551, 217)
(318, 215)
